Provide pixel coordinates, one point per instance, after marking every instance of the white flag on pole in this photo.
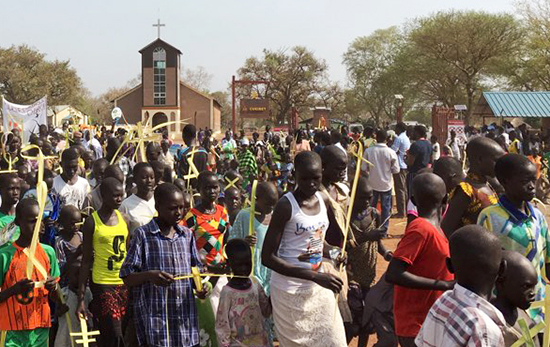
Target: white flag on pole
(27, 118)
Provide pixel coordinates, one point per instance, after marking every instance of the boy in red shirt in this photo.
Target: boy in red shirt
(24, 308)
(418, 269)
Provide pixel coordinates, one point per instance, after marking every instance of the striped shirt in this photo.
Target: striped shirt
(159, 310)
(65, 252)
(525, 232)
(460, 317)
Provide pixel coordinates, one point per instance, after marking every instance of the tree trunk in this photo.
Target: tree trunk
(470, 93)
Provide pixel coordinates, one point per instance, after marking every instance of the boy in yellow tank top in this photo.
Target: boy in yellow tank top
(104, 249)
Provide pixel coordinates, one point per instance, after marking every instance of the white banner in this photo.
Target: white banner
(27, 118)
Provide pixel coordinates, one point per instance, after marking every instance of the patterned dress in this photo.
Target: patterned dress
(478, 199)
(241, 315)
(362, 257)
(209, 230)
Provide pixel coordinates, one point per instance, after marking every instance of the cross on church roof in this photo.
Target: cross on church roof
(158, 25)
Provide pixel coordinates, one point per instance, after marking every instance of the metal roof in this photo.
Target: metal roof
(514, 104)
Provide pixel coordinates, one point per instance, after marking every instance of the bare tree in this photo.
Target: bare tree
(197, 78)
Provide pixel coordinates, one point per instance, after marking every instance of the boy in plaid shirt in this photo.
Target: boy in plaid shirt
(464, 316)
(165, 313)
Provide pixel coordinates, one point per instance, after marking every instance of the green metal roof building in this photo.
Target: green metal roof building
(513, 104)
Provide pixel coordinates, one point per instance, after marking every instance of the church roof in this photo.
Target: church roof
(200, 93)
(181, 82)
(156, 42)
(118, 97)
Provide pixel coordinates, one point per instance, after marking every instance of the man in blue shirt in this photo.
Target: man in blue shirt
(419, 154)
(401, 145)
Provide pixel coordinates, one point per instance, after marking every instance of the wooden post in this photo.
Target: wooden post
(545, 126)
(399, 115)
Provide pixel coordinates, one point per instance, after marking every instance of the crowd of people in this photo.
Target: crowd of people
(259, 239)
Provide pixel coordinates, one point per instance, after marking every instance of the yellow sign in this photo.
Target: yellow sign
(254, 108)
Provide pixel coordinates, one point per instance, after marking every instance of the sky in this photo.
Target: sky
(102, 38)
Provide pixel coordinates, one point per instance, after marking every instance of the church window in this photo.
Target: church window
(159, 76)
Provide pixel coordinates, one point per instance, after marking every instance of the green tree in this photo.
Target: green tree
(26, 76)
(294, 77)
(529, 69)
(449, 54)
(373, 74)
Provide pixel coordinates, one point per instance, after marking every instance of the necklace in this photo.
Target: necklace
(210, 210)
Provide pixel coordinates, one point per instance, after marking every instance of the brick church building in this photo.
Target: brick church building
(163, 96)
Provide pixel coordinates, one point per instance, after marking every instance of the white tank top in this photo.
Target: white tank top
(302, 234)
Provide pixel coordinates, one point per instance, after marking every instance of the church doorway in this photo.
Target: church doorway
(159, 118)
